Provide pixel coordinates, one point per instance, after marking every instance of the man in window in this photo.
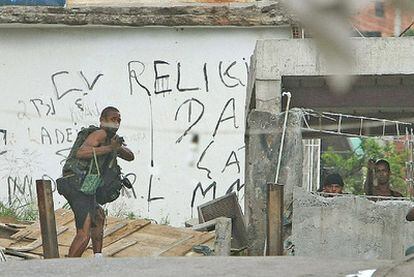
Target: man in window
(378, 179)
(333, 183)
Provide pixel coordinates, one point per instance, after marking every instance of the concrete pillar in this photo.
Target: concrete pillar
(222, 243)
(263, 135)
(267, 95)
(397, 22)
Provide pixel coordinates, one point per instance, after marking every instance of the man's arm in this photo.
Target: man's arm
(94, 140)
(125, 153)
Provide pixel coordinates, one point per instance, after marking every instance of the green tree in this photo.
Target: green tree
(352, 166)
(409, 33)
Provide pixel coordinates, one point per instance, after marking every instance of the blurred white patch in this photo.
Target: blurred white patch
(363, 273)
(329, 23)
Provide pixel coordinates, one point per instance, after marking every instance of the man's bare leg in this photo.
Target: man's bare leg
(97, 231)
(81, 240)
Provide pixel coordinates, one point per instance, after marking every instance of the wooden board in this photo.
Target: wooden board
(122, 238)
(132, 227)
(5, 242)
(173, 245)
(118, 246)
(63, 252)
(62, 217)
(185, 247)
(154, 239)
(66, 238)
(37, 243)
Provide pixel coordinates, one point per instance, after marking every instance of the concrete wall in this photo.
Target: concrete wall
(129, 3)
(53, 81)
(350, 227)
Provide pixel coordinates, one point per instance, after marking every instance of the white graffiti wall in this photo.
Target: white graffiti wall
(181, 93)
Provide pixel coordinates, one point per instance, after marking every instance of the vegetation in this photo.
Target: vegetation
(26, 212)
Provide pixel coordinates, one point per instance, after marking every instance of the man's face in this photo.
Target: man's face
(336, 188)
(327, 188)
(382, 173)
(333, 188)
(112, 121)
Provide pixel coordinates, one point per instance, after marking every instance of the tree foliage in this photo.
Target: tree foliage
(353, 166)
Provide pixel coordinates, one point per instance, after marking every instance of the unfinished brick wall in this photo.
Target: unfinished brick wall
(368, 20)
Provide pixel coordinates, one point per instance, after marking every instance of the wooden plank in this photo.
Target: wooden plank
(6, 230)
(168, 232)
(37, 243)
(132, 227)
(183, 248)
(27, 256)
(118, 247)
(24, 232)
(169, 247)
(274, 220)
(153, 239)
(17, 225)
(204, 226)
(109, 231)
(67, 237)
(63, 252)
(63, 217)
(113, 229)
(5, 242)
(47, 218)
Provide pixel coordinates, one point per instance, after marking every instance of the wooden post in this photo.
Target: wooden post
(274, 220)
(47, 219)
(222, 243)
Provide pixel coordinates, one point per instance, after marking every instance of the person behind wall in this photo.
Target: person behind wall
(378, 179)
(105, 145)
(333, 183)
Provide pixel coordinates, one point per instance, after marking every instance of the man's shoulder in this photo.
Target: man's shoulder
(92, 130)
(89, 129)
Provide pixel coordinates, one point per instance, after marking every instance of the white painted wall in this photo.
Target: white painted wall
(32, 108)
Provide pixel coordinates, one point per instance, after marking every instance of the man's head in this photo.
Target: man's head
(382, 172)
(110, 120)
(333, 183)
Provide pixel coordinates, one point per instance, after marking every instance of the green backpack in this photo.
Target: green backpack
(92, 181)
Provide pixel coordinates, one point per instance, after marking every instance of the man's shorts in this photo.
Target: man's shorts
(80, 203)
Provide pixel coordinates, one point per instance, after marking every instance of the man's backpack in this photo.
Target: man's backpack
(112, 184)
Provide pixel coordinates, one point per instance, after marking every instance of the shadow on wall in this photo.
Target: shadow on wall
(33, 2)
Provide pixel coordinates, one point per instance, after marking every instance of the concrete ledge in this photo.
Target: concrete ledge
(300, 57)
(202, 266)
(350, 226)
(243, 15)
